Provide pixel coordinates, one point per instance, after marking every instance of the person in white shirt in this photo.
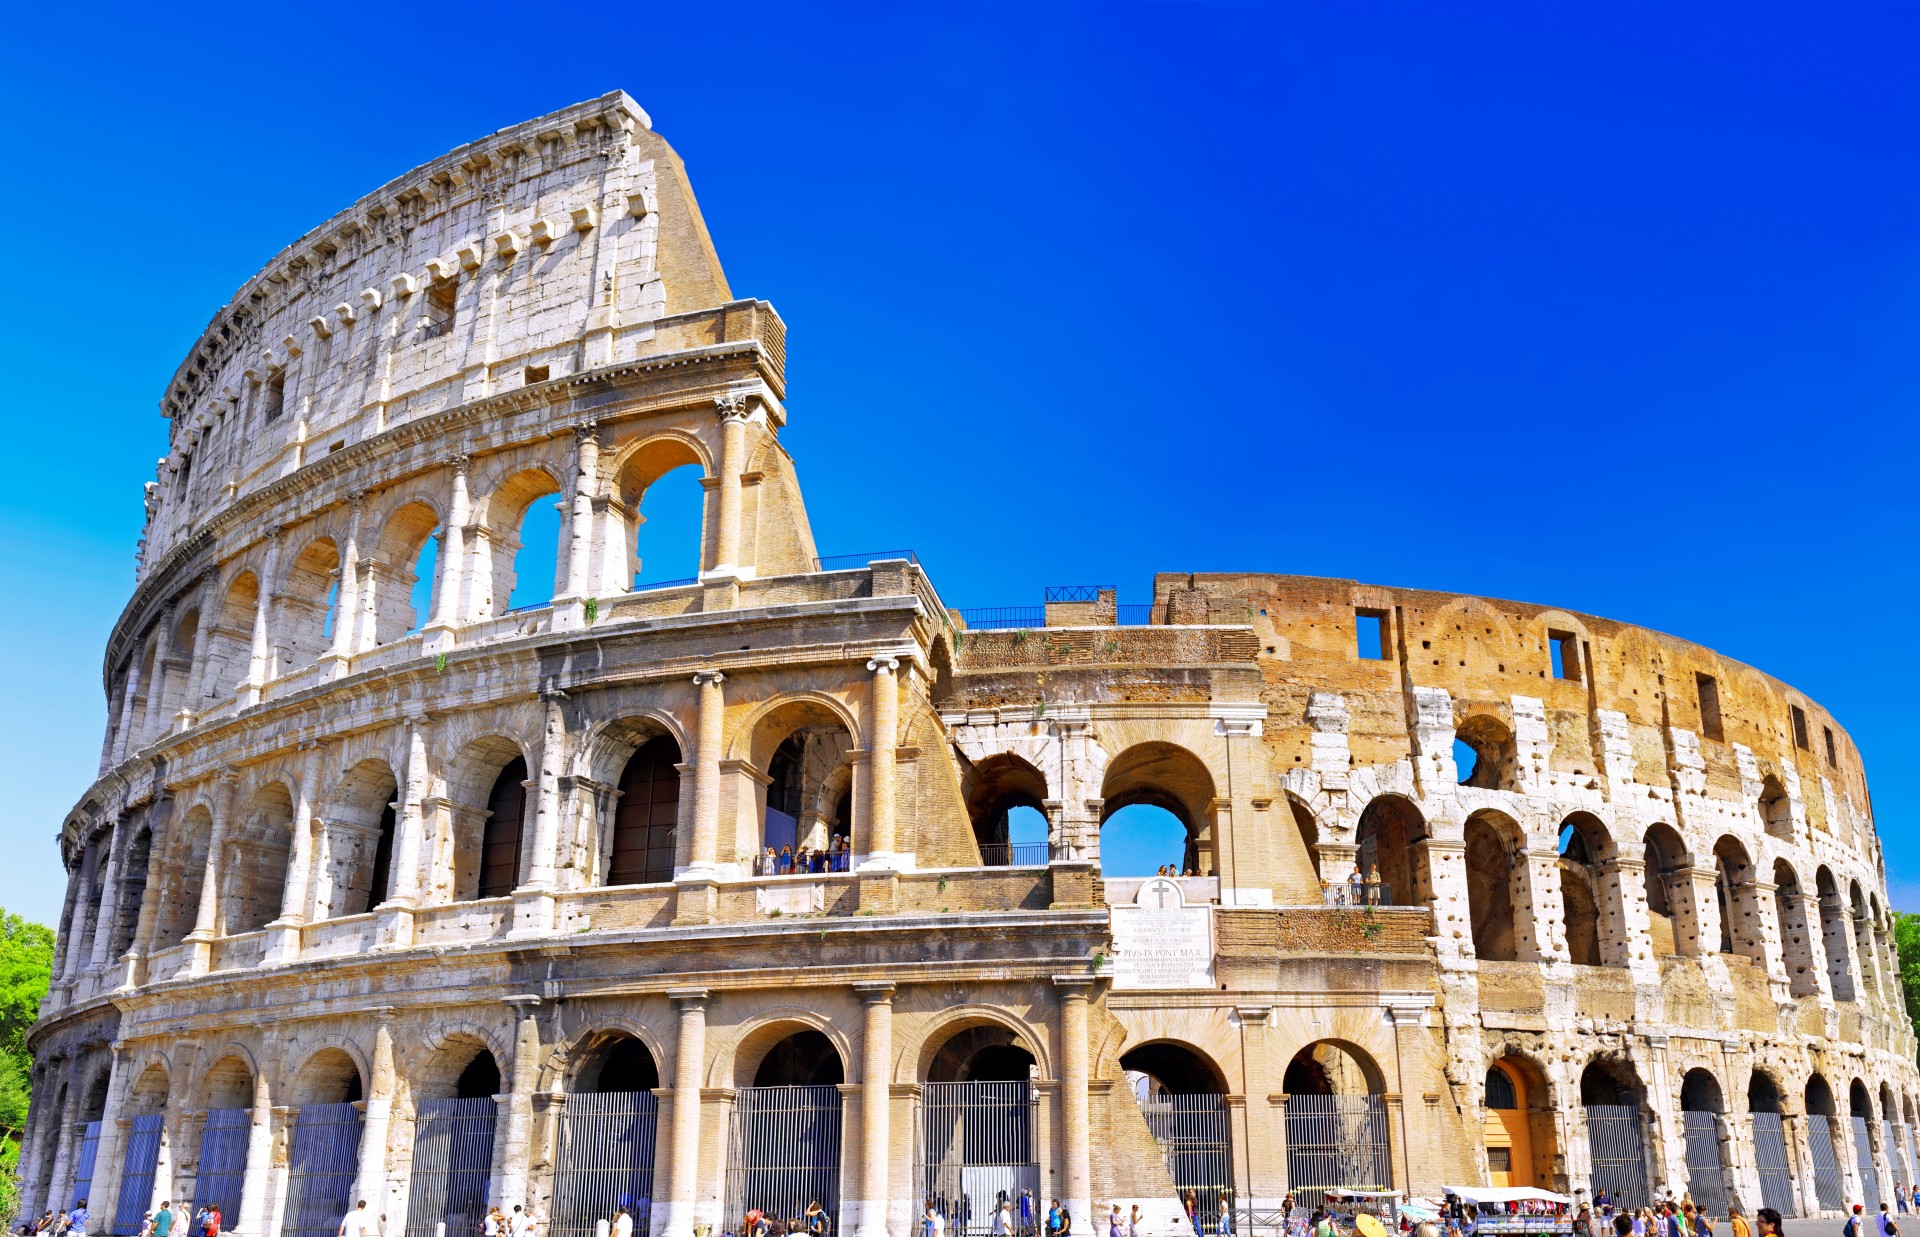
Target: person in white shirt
(357, 1223)
(622, 1223)
(1003, 1220)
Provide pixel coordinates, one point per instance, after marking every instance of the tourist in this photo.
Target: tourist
(1702, 1222)
(1737, 1223)
(1224, 1225)
(1322, 1223)
(1054, 1217)
(816, 1217)
(163, 1219)
(1623, 1225)
(1003, 1217)
(1116, 1223)
(1852, 1227)
(933, 1224)
(210, 1220)
(77, 1218)
(1133, 1221)
(1771, 1224)
(1884, 1223)
(1191, 1204)
(1603, 1203)
(622, 1221)
(1026, 1213)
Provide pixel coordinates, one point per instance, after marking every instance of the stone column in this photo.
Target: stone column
(154, 721)
(79, 956)
(1696, 914)
(688, 1054)
(578, 561)
(346, 601)
(64, 944)
(129, 692)
(882, 745)
(68, 1132)
(194, 695)
(111, 1147)
(260, 657)
(101, 945)
(1627, 880)
(1075, 1112)
(371, 1182)
(533, 901)
(514, 1140)
(709, 739)
(449, 605)
(1262, 1135)
(876, 1096)
(206, 923)
(734, 411)
(252, 1218)
(283, 934)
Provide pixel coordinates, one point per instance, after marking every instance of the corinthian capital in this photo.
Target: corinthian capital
(733, 406)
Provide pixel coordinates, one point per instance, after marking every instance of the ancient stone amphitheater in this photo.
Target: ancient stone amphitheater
(388, 890)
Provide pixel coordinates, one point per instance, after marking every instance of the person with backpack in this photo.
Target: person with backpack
(1852, 1227)
(1884, 1222)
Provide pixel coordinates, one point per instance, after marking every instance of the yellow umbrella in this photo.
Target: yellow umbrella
(1369, 1225)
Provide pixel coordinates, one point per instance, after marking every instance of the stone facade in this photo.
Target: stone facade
(343, 851)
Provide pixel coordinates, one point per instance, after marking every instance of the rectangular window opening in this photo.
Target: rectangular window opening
(1564, 648)
(276, 395)
(439, 309)
(1709, 706)
(1370, 634)
(1833, 756)
(1799, 727)
(536, 373)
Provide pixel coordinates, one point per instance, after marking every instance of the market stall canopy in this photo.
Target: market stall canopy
(1516, 1194)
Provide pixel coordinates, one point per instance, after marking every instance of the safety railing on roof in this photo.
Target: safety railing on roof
(848, 562)
(997, 618)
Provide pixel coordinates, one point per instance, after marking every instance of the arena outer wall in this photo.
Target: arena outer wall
(301, 878)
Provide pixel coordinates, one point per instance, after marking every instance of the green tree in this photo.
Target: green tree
(26, 967)
(1906, 941)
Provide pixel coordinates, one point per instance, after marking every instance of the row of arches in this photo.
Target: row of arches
(1157, 803)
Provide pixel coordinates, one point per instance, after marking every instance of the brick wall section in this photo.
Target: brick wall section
(1247, 932)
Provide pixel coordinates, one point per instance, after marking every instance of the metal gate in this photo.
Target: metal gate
(137, 1168)
(1617, 1150)
(223, 1162)
(1863, 1159)
(324, 1161)
(783, 1152)
(1770, 1157)
(452, 1166)
(1194, 1136)
(1896, 1152)
(1337, 1142)
(975, 1147)
(83, 1174)
(1829, 1184)
(607, 1146)
(1706, 1175)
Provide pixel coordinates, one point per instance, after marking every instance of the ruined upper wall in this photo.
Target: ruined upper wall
(551, 247)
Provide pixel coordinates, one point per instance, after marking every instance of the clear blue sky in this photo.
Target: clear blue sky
(1614, 306)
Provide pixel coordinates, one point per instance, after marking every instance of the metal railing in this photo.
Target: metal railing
(137, 1168)
(1829, 1185)
(1706, 1175)
(1015, 855)
(321, 1168)
(1619, 1156)
(975, 1149)
(434, 330)
(1775, 1168)
(783, 1153)
(1001, 618)
(452, 1161)
(1363, 893)
(607, 1144)
(1074, 592)
(1337, 1142)
(849, 562)
(83, 1174)
(1131, 615)
(1193, 1134)
(647, 586)
(1869, 1173)
(223, 1162)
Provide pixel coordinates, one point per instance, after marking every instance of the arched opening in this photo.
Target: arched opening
(804, 822)
(1667, 893)
(146, 1107)
(253, 871)
(93, 1107)
(1310, 833)
(1518, 1125)
(1583, 842)
(1336, 1120)
(324, 1156)
(1155, 815)
(306, 602)
(184, 876)
(1610, 1099)
(1833, 935)
(1863, 942)
(169, 695)
(660, 505)
(1861, 1117)
(1183, 1097)
(1740, 931)
(1700, 1109)
(1391, 853)
(500, 836)
(1496, 858)
(641, 849)
(224, 1136)
(1776, 811)
(1796, 945)
(453, 1126)
(1489, 759)
(396, 586)
(608, 1137)
(133, 891)
(1825, 1144)
(230, 640)
(1004, 795)
(977, 1117)
(1893, 1136)
(784, 1144)
(523, 535)
(354, 859)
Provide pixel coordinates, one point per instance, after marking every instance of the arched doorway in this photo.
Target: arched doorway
(1584, 845)
(223, 1138)
(1004, 796)
(1496, 864)
(974, 1138)
(1154, 813)
(325, 1156)
(806, 798)
(1770, 1156)
(783, 1139)
(453, 1122)
(1184, 1100)
(1391, 853)
(609, 1138)
(1669, 918)
(1610, 1100)
(1518, 1126)
(1336, 1120)
(1700, 1108)
(641, 850)
(1860, 1114)
(1829, 1182)
(140, 1157)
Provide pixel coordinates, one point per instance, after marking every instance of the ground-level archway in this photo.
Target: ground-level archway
(1701, 1106)
(1183, 1098)
(1336, 1115)
(1518, 1126)
(609, 1137)
(1611, 1102)
(974, 1137)
(1823, 1143)
(783, 1138)
(453, 1123)
(1772, 1160)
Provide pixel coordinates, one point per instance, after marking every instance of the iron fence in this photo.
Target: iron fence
(1863, 1160)
(452, 1163)
(321, 1168)
(1776, 1169)
(1896, 1155)
(1021, 854)
(1706, 1174)
(1131, 615)
(83, 1171)
(1197, 1141)
(852, 562)
(607, 1148)
(137, 1167)
(1829, 1184)
(1337, 1142)
(223, 1161)
(783, 1152)
(1002, 618)
(1617, 1151)
(1357, 893)
(975, 1149)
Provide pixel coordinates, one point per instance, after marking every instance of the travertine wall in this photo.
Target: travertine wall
(294, 882)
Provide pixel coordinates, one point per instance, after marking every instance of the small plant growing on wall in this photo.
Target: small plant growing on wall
(593, 610)
(440, 664)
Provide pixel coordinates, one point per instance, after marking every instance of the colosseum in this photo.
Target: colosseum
(390, 889)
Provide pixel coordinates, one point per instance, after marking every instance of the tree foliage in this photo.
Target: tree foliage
(26, 967)
(1906, 940)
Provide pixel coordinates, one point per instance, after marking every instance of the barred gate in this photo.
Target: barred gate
(1706, 1175)
(783, 1152)
(1829, 1184)
(83, 1174)
(1776, 1170)
(1617, 1150)
(1896, 1152)
(223, 1162)
(137, 1168)
(975, 1147)
(1913, 1156)
(1195, 1138)
(452, 1166)
(321, 1166)
(1863, 1158)
(1337, 1142)
(607, 1147)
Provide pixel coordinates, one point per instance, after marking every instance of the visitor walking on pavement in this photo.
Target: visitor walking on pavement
(356, 1223)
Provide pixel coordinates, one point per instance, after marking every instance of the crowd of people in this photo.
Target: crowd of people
(787, 861)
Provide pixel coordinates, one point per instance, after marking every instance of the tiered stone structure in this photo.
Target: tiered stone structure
(347, 849)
